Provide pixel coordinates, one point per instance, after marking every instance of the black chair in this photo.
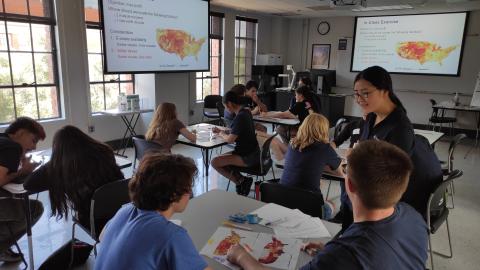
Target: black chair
(449, 165)
(221, 112)
(105, 202)
(307, 201)
(438, 117)
(210, 106)
(339, 126)
(142, 147)
(260, 169)
(437, 212)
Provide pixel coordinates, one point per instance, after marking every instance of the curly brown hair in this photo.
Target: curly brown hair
(160, 180)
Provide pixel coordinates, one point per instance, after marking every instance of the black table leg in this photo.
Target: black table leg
(206, 163)
(28, 217)
(129, 132)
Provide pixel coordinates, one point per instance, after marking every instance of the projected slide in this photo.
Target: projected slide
(155, 35)
(424, 44)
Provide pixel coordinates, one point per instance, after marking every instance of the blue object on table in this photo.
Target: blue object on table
(241, 218)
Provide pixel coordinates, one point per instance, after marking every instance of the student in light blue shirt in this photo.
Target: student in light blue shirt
(140, 235)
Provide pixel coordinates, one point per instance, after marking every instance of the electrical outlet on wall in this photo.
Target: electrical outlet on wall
(91, 128)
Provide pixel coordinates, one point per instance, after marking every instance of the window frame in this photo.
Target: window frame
(33, 20)
(103, 82)
(238, 38)
(219, 57)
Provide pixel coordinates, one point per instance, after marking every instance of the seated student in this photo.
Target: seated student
(78, 166)
(254, 103)
(303, 81)
(386, 233)
(303, 107)
(20, 137)
(240, 90)
(140, 235)
(246, 152)
(308, 154)
(165, 127)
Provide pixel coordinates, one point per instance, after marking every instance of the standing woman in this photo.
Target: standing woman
(165, 127)
(387, 120)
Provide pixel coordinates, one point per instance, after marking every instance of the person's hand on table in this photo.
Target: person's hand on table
(311, 248)
(240, 256)
(216, 130)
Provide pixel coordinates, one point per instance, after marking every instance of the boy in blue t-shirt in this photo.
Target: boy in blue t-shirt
(385, 234)
(140, 235)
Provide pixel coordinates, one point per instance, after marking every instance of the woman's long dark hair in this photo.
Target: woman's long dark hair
(380, 78)
(78, 166)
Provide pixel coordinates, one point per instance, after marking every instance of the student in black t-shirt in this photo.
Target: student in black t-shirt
(246, 152)
(20, 137)
(301, 109)
(240, 90)
(386, 233)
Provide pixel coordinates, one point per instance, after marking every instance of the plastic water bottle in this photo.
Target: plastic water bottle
(122, 102)
(456, 99)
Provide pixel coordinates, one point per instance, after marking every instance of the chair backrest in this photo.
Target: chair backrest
(142, 146)
(307, 201)
(451, 149)
(437, 202)
(435, 110)
(220, 108)
(210, 101)
(105, 203)
(265, 155)
(339, 126)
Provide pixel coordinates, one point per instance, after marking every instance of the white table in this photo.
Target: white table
(130, 124)
(206, 141)
(205, 213)
(432, 136)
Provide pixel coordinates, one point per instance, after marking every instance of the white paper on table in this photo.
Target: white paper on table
(272, 212)
(309, 228)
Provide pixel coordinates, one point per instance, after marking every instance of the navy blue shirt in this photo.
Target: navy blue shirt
(427, 173)
(303, 169)
(397, 242)
(242, 126)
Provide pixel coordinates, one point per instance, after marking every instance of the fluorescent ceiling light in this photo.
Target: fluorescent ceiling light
(393, 7)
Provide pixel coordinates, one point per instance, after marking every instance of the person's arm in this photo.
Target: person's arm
(285, 115)
(239, 256)
(26, 167)
(229, 138)
(403, 137)
(189, 135)
(255, 110)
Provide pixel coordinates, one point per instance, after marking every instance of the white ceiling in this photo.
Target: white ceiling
(324, 8)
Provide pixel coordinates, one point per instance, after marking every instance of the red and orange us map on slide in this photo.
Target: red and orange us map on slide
(179, 42)
(423, 51)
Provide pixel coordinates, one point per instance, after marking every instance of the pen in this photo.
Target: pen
(276, 221)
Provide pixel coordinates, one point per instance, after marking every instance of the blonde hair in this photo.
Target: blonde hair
(162, 123)
(313, 129)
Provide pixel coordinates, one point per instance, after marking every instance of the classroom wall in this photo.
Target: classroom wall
(414, 90)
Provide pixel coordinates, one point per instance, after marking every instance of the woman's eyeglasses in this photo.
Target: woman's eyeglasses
(363, 95)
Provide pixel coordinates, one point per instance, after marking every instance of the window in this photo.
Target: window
(104, 88)
(209, 83)
(28, 61)
(245, 48)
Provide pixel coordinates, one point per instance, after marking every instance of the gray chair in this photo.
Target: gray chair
(142, 147)
(260, 169)
(105, 203)
(437, 212)
(307, 201)
(449, 165)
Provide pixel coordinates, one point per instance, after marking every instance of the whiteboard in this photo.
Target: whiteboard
(476, 94)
